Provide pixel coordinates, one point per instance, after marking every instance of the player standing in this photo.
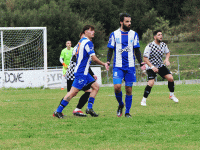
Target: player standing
(125, 43)
(153, 54)
(85, 52)
(65, 58)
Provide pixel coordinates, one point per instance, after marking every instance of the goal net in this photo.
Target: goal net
(23, 49)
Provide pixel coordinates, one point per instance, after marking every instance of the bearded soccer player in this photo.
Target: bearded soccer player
(153, 54)
(125, 44)
(84, 53)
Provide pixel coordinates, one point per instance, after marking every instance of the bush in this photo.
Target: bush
(188, 30)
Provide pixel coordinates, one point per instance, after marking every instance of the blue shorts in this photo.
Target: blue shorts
(129, 76)
(82, 81)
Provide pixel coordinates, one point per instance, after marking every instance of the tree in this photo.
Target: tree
(102, 11)
(137, 10)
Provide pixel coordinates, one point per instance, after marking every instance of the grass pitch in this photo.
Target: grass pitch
(26, 120)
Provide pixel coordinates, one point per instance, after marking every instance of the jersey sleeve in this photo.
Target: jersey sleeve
(147, 51)
(136, 41)
(166, 49)
(62, 54)
(89, 47)
(111, 42)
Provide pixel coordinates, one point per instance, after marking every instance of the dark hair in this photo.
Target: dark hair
(122, 15)
(87, 27)
(81, 34)
(155, 32)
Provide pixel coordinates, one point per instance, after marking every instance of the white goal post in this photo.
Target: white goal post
(23, 51)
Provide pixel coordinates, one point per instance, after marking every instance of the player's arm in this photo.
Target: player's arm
(96, 60)
(109, 55)
(146, 56)
(92, 73)
(166, 61)
(62, 62)
(139, 58)
(62, 59)
(146, 60)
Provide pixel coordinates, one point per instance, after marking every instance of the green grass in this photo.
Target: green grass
(26, 120)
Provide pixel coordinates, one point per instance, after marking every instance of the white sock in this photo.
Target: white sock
(171, 93)
(77, 109)
(144, 99)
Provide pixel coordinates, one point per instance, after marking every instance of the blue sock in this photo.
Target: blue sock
(128, 101)
(119, 98)
(62, 106)
(90, 102)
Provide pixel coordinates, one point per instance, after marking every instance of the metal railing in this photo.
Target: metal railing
(181, 68)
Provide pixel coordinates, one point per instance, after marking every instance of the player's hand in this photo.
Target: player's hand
(95, 77)
(155, 69)
(143, 67)
(166, 62)
(107, 66)
(65, 65)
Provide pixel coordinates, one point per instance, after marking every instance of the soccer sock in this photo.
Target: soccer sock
(119, 98)
(128, 100)
(147, 91)
(77, 109)
(83, 100)
(62, 106)
(144, 99)
(171, 93)
(171, 86)
(90, 102)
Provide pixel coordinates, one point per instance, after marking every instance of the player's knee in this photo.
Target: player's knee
(171, 79)
(151, 83)
(128, 90)
(117, 88)
(95, 86)
(89, 90)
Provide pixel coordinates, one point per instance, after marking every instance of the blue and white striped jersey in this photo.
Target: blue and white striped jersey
(123, 44)
(84, 52)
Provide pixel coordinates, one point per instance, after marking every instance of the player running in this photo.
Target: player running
(70, 76)
(85, 52)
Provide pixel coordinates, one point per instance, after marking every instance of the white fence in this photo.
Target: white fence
(36, 78)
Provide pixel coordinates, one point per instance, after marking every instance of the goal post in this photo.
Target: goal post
(23, 49)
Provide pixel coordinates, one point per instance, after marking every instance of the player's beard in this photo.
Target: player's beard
(126, 28)
(159, 40)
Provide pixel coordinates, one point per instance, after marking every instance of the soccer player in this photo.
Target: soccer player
(70, 76)
(125, 43)
(65, 58)
(153, 54)
(85, 52)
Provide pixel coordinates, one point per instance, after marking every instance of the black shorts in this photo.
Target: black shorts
(69, 85)
(162, 71)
